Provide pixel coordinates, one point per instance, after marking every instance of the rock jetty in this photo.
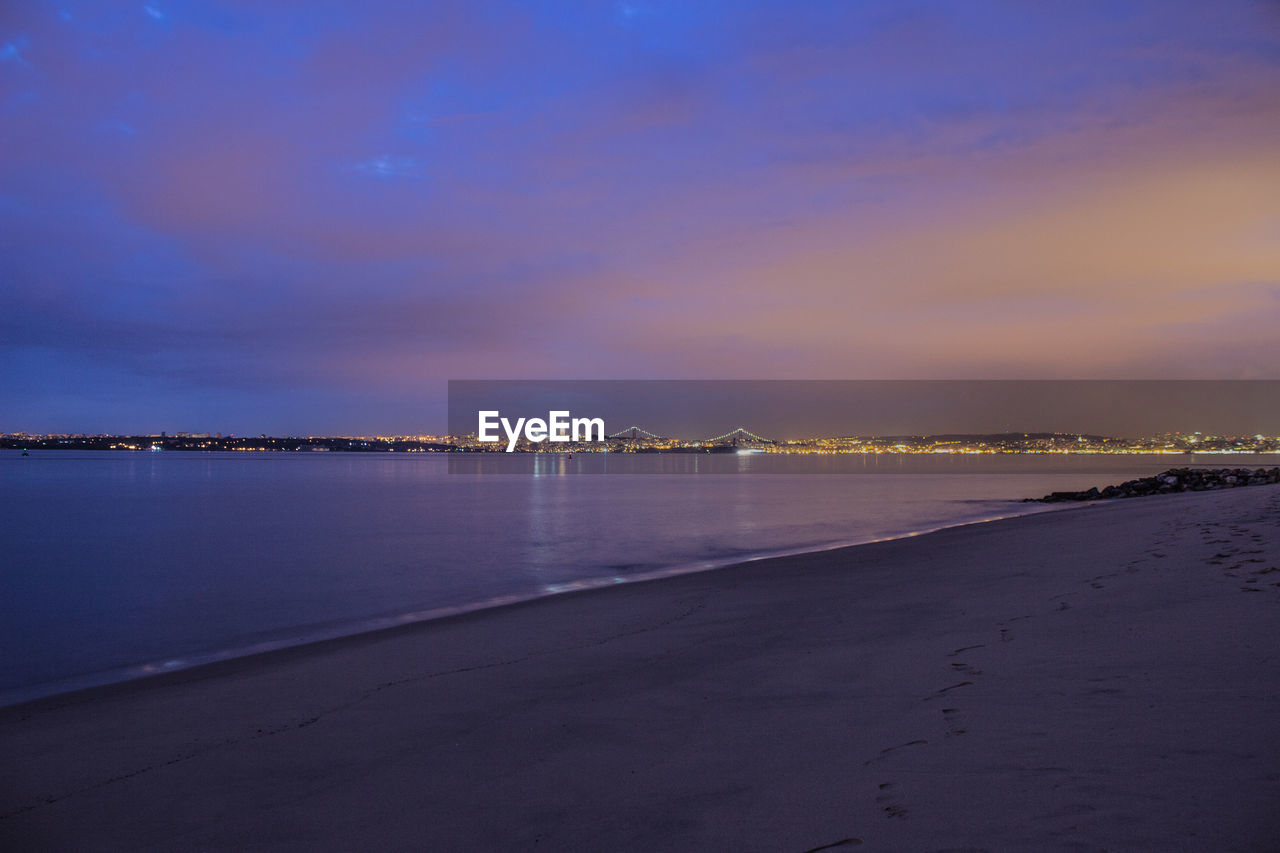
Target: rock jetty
(1173, 480)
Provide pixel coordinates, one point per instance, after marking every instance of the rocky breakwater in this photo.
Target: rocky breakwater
(1173, 480)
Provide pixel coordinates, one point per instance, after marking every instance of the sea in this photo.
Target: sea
(116, 565)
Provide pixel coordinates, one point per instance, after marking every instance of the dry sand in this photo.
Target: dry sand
(1106, 677)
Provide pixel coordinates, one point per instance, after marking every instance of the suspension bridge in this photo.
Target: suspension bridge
(734, 437)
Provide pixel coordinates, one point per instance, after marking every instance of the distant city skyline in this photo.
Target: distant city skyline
(308, 217)
(789, 409)
(633, 440)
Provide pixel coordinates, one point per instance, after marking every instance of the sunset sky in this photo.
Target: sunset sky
(306, 217)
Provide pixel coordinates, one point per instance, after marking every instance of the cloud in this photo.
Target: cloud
(121, 128)
(12, 52)
(386, 166)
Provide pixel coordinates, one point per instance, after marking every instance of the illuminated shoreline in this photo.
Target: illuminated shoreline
(1040, 444)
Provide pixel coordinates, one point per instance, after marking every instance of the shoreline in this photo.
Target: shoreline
(349, 630)
(1051, 681)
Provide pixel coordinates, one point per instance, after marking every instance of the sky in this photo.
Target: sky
(306, 217)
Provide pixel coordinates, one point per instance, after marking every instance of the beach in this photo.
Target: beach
(1102, 677)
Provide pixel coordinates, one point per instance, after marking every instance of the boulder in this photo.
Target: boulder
(1173, 480)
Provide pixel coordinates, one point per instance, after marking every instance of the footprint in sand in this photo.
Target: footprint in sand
(890, 750)
(889, 802)
(1005, 634)
(944, 691)
(951, 716)
(843, 842)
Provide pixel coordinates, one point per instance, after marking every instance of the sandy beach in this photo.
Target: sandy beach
(1104, 677)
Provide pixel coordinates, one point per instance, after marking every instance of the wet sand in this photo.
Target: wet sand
(1102, 677)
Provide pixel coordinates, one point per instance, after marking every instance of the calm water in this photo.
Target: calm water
(116, 564)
